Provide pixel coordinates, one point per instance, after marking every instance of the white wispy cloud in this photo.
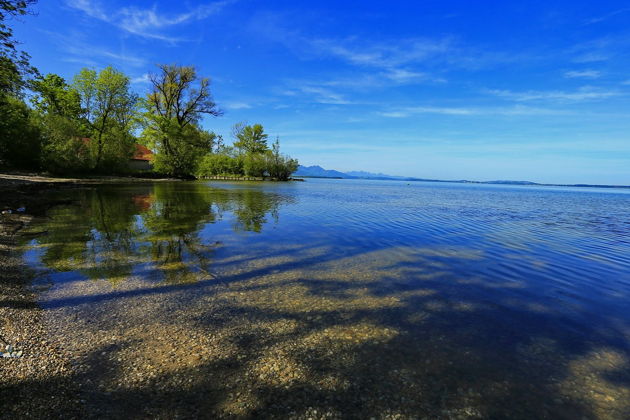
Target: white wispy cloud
(324, 96)
(312, 92)
(146, 23)
(80, 60)
(583, 74)
(430, 55)
(141, 79)
(104, 56)
(417, 110)
(132, 60)
(471, 111)
(402, 76)
(607, 16)
(80, 51)
(88, 7)
(592, 57)
(585, 93)
(389, 55)
(236, 105)
(598, 49)
(396, 61)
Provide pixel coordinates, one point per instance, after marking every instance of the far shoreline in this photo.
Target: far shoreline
(464, 181)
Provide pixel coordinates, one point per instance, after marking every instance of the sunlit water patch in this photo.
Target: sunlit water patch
(325, 296)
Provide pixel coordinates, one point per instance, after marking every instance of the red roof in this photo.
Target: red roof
(142, 153)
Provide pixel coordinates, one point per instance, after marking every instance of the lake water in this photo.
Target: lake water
(343, 298)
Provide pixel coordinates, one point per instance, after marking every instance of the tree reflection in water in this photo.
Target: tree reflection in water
(114, 232)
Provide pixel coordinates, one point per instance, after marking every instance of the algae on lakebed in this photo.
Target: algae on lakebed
(237, 300)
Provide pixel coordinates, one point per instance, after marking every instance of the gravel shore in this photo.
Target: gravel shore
(39, 383)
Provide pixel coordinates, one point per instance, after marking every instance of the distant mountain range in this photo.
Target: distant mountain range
(319, 172)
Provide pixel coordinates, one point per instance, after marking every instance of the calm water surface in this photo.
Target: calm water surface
(468, 300)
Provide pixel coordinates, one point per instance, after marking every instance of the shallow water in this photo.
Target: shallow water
(344, 297)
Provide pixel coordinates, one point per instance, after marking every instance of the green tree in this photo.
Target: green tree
(255, 164)
(19, 138)
(54, 96)
(250, 138)
(108, 108)
(190, 142)
(219, 164)
(278, 165)
(63, 148)
(15, 67)
(20, 142)
(58, 108)
(175, 106)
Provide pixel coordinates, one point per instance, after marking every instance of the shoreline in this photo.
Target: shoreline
(19, 189)
(41, 383)
(8, 180)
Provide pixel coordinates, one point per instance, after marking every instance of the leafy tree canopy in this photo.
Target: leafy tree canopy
(15, 67)
(54, 96)
(250, 138)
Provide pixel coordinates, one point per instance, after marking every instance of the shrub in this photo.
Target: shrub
(20, 141)
(219, 164)
(255, 164)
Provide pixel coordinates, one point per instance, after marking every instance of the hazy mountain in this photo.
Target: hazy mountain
(364, 174)
(318, 171)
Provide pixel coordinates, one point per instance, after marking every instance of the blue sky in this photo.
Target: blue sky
(528, 90)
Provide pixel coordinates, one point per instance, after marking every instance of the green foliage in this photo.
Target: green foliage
(59, 117)
(255, 164)
(20, 141)
(250, 139)
(280, 166)
(15, 68)
(181, 148)
(54, 96)
(108, 108)
(19, 136)
(11, 81)
(175, 96)
(64, 150)
(268, 164)
(174, 109)
(219, 164)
